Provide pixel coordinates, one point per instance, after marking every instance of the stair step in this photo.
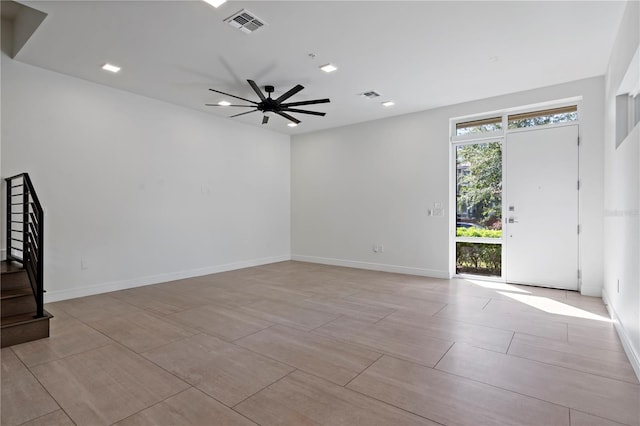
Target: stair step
(14, 276)
(13, 293)
(23, 328)
(17, 301)
(8, 267)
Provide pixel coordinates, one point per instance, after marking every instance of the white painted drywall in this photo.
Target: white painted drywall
(373, 183)
(140, 190)
(622, 197)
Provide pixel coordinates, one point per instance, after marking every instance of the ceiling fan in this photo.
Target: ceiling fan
(276, 106)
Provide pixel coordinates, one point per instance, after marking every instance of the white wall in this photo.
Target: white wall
(141, 190)
(374, 182)
(622, 198)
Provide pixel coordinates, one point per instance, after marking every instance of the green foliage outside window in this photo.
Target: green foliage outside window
(479, 259)
(480, 183)
(478, 232)
(543, 119)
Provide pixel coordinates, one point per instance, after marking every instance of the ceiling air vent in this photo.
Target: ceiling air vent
(371, 94)
(245, 21)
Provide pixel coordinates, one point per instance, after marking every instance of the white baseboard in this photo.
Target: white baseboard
(58, 295)
(631, 352)
(591, 291)
(373, 266)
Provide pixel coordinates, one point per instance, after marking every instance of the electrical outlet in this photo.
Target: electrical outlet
(381, 248)
(84, 264)
(375, 248)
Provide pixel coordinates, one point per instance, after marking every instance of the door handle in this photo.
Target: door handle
(513, 220)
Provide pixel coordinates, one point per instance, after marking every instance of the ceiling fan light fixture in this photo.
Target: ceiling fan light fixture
(388, 104)
(292, 124)
(215, 3)
(328, 68)
(224, 103)
(111, 68)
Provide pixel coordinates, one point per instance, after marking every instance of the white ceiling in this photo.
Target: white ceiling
(420, 54)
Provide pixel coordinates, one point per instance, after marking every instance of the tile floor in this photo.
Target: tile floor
(295, 343)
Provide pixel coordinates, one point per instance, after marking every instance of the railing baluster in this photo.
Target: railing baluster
(25, 220)
(8, 234)
(31, 227)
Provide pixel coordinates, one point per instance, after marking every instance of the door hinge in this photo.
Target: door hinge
(578, 140)
(578, 185)
(579, 274)
(578, 229)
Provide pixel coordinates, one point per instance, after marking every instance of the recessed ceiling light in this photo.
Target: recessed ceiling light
(224, 103)
(215, 3)
(328, 68)
(110, 67)
(388, 103)
(292, 124)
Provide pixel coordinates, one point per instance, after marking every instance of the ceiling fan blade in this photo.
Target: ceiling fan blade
(312, 102)
(233, 96)
(244, 106)
(265, 119)
(288, 117)
(242, 113)
(304, 111)
(256, 89)
(290, 93)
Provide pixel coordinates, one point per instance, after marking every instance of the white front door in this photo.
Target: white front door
(541, 243)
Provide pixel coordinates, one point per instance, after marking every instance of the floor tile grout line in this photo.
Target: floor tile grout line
(114, 341)
(325, 324)
(594, 415)
(393, 311)
(155, 404)
(486, 304)
(572, 369)
(443, 355)
(248, 335)
(394, 406)
(518, 393)
(322, 325)
(365, 369)
(311, 373)
(372, 349)
(440, 310)
(141, 355)
(71, 354)
(495, 327)
(545, 364)
(43, 387)
(261, 389)
(299, 368)
(48, 414)
(288, 303)
(513, 336)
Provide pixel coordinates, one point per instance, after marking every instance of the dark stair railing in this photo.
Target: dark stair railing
(25, 233)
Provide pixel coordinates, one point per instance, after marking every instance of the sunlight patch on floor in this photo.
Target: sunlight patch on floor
(498, 286)
(555, 307)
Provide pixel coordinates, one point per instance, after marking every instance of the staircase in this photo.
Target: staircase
(22, 314)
